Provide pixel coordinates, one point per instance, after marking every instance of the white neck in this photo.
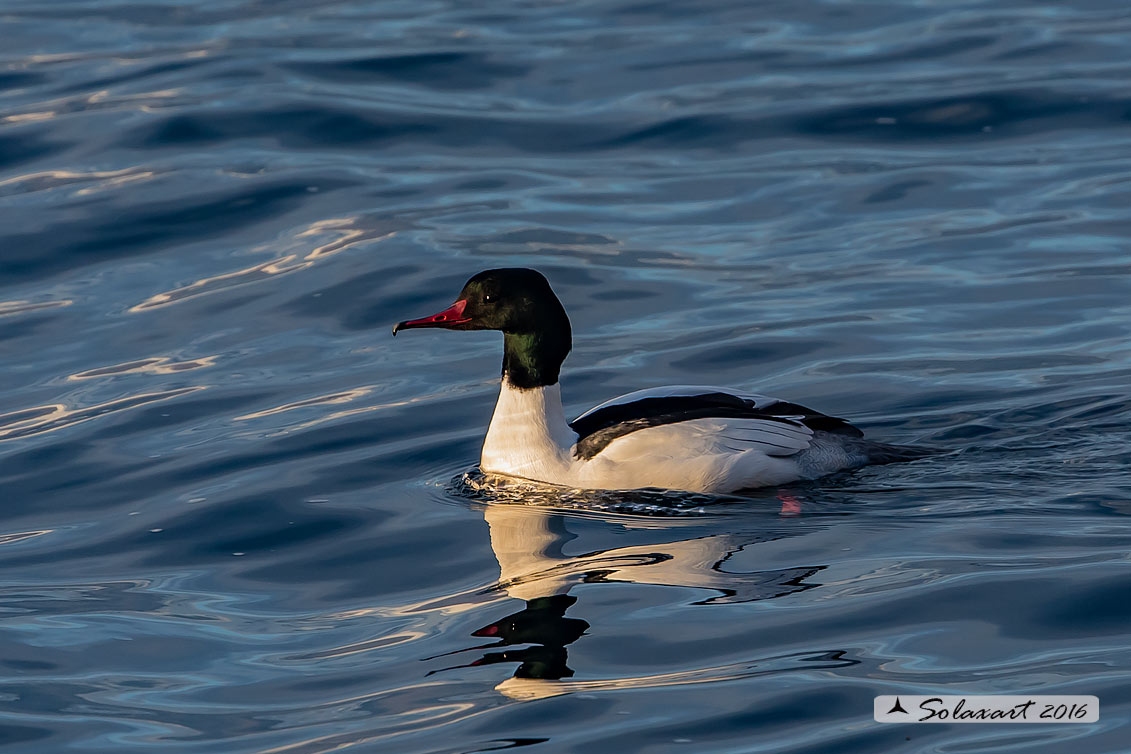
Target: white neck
(529, 436)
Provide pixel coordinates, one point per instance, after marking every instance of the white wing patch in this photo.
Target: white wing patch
(669, 391)
(773, 438)
(702, 439)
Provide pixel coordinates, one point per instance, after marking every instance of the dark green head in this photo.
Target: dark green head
(519, 303)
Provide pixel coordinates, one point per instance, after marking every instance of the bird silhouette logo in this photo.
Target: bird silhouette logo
(897, 707)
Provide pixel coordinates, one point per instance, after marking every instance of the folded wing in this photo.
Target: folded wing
(741, 421)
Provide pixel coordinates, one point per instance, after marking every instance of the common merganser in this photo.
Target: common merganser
(681, 437)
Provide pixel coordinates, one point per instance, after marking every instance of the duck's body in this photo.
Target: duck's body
(611, 446)
(685, 437)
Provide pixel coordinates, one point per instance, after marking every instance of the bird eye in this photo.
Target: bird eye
(488, 298)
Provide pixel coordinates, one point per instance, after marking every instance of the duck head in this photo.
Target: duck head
(521, 304)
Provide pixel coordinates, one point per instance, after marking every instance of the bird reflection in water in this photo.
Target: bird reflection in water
(528, 544)
(542, 623)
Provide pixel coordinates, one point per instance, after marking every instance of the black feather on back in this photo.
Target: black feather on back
(596, 430)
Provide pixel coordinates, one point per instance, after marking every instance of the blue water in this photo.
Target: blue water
(236, 513)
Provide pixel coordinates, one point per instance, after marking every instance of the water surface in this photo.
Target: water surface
(235, 512)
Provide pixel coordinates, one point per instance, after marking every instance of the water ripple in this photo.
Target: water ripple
(913, 215)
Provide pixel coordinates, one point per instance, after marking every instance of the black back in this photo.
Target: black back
(596, 430)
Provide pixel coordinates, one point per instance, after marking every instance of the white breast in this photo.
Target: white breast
(529, 436)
